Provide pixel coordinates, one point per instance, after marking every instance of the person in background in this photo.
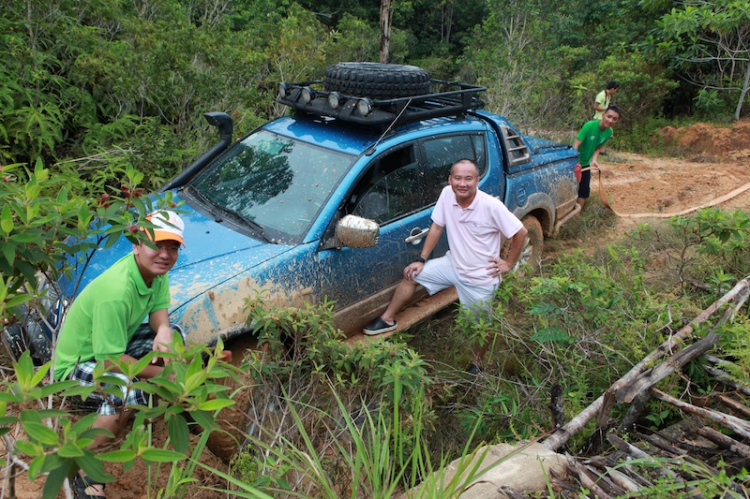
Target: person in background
(589, 143)
(475, 224)
(604, 99)
(104, 321)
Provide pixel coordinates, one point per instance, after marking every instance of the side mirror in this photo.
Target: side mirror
(356, 232)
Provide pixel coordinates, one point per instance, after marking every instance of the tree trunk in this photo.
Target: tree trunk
(385, 29)
(743, 92)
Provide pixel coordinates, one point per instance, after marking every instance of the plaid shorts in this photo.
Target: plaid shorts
(140, 345)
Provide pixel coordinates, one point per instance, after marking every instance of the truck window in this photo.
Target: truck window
(440, 153)
(391, 189)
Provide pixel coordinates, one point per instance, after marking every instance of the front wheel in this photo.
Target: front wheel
(533, 245)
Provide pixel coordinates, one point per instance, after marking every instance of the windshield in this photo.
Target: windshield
(274, 181)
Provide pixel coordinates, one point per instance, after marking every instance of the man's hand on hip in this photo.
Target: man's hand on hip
(497, 267)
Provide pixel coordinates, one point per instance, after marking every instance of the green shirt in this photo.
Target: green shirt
(603, 100)
(104, 317)
(591, 137)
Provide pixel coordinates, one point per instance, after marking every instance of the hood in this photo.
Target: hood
(212, 254)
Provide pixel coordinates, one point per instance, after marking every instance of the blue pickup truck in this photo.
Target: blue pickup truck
(335, 199)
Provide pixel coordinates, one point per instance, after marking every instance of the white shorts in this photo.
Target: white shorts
(439, 274)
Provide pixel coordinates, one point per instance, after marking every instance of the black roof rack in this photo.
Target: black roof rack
(451, 99)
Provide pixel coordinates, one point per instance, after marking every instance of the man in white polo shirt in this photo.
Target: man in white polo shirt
(475, 222)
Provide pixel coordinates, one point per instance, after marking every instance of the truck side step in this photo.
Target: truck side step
(413, 315)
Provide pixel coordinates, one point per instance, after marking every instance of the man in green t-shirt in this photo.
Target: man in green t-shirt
(104, 322)
(589, 143)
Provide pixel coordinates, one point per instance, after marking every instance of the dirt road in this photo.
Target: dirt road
(712, 162)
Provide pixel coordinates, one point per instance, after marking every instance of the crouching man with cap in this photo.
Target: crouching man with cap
(104, 322)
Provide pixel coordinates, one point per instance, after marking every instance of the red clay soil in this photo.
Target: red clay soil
(713, 161)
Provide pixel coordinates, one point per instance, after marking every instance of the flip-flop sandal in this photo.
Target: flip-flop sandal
(80, 483)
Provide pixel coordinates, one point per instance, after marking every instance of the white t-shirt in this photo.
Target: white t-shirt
(474, 233)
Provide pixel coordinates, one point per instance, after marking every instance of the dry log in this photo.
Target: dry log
(735, 406)
(724, 441)
(733, 423)
(639, 454)
(586, 480)
(622, 480)
(562, 435)
(687, 446)
(723, 376)
(627, 393)
(605, 482)
(656, 442)
(607, 405)
(633, 475)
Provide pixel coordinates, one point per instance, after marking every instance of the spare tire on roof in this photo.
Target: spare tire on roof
(377, 80)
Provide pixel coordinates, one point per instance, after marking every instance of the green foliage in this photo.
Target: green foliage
(306, 341)
(644, 85)
(710, 245)
(44, 222)
(708, 40)
(58, 443)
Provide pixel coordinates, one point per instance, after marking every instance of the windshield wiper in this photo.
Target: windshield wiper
(256, 228)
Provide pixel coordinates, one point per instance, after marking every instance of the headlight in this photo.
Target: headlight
(364, 106)
(335, 99)
(283, 90)
(306, 95)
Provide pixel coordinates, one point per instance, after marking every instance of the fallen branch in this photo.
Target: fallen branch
(627, 393)
(724, 441)
(643, 382)
(735, 424)
(637, 453)
(723, 376)
(735, 406)
(586, 480)
(562, 435)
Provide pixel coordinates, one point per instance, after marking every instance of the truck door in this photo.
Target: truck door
(391, 192)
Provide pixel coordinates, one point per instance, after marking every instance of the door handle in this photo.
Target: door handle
(416, 236)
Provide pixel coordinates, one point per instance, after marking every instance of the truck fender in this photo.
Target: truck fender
(542, 206)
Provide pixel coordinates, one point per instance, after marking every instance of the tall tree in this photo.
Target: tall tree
(710, 40)
(386, 18)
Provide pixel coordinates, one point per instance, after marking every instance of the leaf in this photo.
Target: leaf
(26, 238)
(26, 447)
(6, 221)
(84, 423)
(9, 252)
(204, 419)
(58, 386)
(178, 433)
(41, 433)
(55, 480)
(118, 456)
(35, 467)
(215, 404)
(69, 449)
(161, 455)
(94, 468)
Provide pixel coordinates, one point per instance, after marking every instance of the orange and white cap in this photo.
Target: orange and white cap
(168, 226)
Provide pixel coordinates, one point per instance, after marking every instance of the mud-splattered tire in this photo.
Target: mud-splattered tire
(376, 80)
(533, 245)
